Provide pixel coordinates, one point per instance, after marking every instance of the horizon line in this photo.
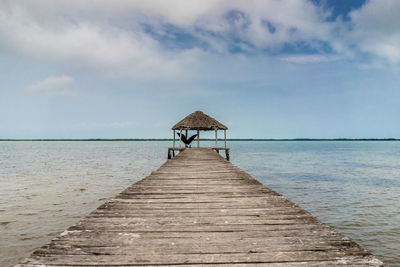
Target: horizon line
(205, 139)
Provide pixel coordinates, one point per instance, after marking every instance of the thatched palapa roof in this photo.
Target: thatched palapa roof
(199, 121)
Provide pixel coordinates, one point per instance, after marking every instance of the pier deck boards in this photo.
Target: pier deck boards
(199, 209)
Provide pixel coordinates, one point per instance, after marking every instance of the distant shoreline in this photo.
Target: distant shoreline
(209, 139)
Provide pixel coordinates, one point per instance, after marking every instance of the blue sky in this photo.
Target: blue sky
(267, 69)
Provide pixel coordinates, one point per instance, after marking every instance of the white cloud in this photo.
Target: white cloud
(56, 85)
(134, 37)
(83, 43)
(376, 29)
(303, 59)
(113, 34)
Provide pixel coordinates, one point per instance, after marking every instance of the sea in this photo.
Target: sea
(46, 186)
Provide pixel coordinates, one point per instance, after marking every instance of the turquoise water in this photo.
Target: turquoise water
(47, 186)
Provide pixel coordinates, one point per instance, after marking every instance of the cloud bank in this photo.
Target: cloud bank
(165, 37)
(376, 29)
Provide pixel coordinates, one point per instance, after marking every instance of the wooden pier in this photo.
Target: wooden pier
(171, 151)
(199, 209)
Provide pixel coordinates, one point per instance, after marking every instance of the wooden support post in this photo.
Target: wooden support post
(216, 137)
(225, 137)
(173, 145)
(198, 138)
(186, 134)
(180, 138)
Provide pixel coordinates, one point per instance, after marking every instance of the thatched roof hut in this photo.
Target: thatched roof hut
(199, 121)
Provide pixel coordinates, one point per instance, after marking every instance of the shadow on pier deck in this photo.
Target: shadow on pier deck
(199, 209)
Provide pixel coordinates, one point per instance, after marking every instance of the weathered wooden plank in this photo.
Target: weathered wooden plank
(156, 239)
(200, 209)
(344, 261)
(202, 212)
(159, 259)
(198, 236)
(63, 248)
(309, 220)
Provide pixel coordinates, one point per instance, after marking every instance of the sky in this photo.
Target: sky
(266, 69)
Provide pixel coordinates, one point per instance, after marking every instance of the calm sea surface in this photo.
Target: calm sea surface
(47, 186)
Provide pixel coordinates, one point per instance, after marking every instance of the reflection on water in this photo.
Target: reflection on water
(47, 186)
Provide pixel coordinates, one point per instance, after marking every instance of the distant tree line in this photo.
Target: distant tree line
(211, 139)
